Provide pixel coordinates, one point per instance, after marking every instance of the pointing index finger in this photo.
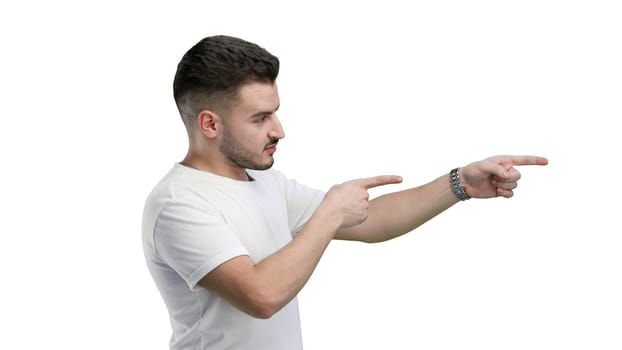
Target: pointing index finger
(524, 160)
(381, 180)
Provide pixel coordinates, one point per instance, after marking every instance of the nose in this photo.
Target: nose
(277, 129)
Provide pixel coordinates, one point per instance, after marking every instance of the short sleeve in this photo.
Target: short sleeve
(193, 239)
(302, 201)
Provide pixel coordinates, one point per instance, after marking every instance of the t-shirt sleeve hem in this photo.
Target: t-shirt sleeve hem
(211, 264)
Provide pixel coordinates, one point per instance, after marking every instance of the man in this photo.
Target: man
(230, 242)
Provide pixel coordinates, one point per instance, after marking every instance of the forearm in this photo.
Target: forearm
(394, 214)
(262, 288)
(283, 274)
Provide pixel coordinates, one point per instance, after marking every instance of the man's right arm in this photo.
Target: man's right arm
(261, 289)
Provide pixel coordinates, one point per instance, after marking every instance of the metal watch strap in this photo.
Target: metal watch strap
(454, 179)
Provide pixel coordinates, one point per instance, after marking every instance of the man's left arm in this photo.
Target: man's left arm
(397, 213)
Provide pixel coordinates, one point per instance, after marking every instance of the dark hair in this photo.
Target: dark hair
(214, 69)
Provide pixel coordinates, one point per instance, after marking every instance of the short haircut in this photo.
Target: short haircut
(211, 73)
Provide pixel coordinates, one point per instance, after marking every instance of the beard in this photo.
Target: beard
(232, 149)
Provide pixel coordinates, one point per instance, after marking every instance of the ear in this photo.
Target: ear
(209, 123)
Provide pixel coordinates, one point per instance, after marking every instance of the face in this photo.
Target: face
(252, 129)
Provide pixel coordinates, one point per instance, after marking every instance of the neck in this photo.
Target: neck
(204, 163)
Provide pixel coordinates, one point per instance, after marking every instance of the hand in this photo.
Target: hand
(495, 176)
(349, 201)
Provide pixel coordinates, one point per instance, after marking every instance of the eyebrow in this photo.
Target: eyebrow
(260, 113)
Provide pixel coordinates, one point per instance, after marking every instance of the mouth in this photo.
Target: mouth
(271, 147)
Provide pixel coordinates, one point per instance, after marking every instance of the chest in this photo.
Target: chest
(259, 219)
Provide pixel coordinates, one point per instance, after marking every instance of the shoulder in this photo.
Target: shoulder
(179, 186)
(174, 183)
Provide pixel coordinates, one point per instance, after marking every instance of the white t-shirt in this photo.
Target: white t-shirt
(194, 221)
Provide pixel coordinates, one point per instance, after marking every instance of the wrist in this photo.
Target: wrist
(328, 219)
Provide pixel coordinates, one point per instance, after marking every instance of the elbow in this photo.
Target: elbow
(373, 239)
(263, 313)
(380, 237)
(264, 304)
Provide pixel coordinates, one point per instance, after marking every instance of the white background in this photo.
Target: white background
(88, 125)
